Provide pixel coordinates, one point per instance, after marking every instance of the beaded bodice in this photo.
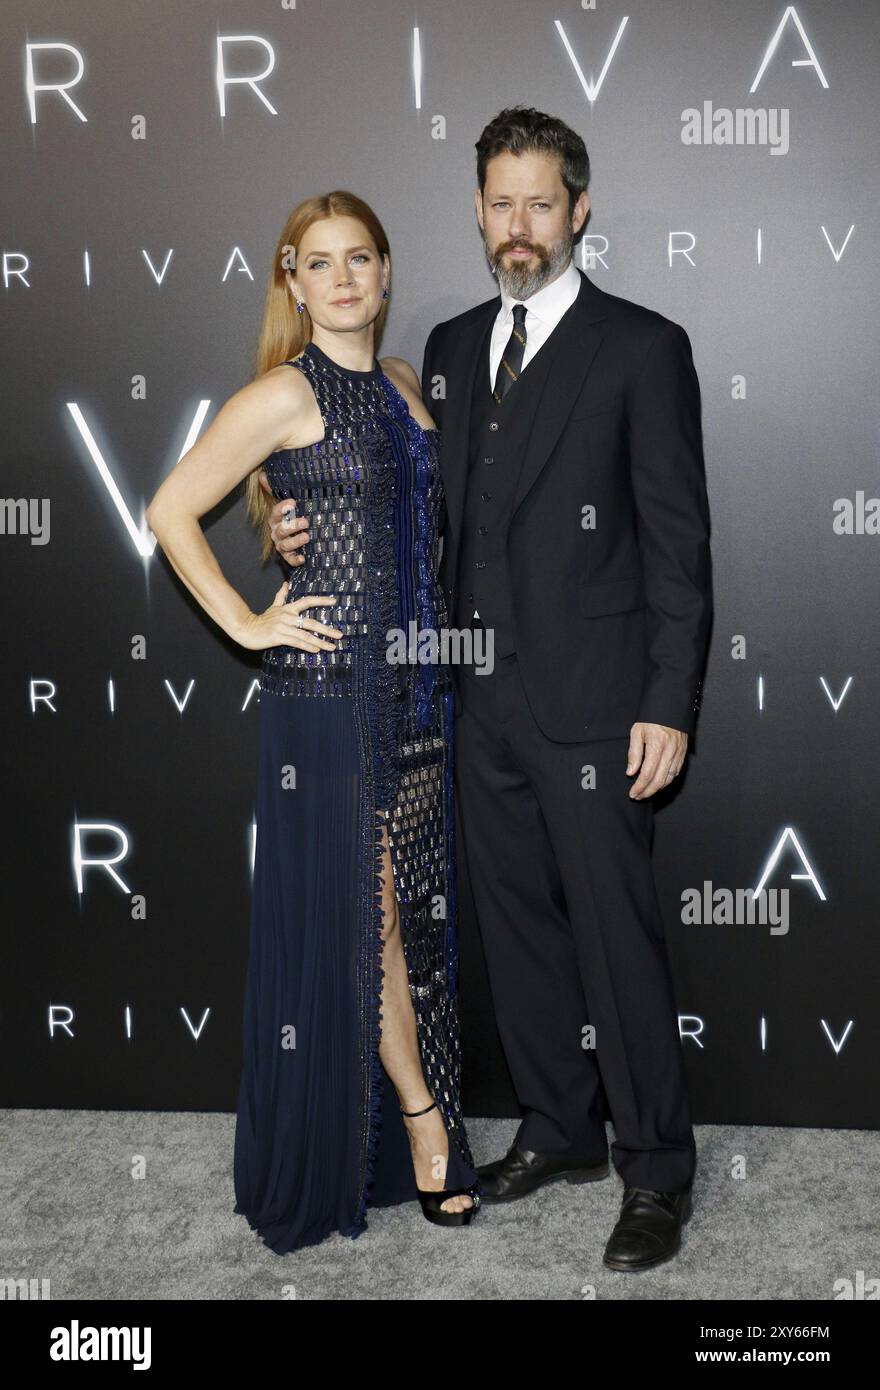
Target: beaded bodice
(372, 493)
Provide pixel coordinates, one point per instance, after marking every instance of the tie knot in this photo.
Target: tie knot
(519, 314)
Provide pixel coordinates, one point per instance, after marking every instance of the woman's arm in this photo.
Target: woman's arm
(251, 424)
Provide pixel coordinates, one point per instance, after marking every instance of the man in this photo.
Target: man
(578, 533)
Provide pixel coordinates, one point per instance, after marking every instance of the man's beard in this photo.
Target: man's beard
(522, 278)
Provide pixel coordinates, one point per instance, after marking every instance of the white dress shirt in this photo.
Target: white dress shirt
(544, 309)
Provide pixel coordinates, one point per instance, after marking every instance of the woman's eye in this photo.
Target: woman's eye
(358, 257)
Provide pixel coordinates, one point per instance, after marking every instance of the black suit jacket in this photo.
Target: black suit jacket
(608, 537)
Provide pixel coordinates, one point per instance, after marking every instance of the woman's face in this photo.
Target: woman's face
(339, 274)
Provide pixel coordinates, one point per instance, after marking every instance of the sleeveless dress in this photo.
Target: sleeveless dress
(344, 737)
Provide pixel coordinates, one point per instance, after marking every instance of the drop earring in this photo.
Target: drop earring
(384, 291)
(299, 306)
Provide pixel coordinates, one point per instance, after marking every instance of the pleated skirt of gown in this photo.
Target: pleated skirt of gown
(318, 1131)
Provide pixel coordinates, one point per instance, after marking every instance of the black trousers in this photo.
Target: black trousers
(573, 937)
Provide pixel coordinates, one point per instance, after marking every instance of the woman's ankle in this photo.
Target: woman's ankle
(414, 1104)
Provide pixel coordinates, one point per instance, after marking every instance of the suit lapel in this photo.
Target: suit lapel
(573, 345)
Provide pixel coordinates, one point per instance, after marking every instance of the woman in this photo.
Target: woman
(351, 976)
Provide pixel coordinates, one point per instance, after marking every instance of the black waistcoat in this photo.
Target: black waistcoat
(498, 438)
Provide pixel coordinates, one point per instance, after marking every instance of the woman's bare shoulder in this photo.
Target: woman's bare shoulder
(400, 370)
(404, 378)
(286, 380)
(284, 393)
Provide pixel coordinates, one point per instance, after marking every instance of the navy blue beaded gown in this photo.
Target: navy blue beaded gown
(349, 742)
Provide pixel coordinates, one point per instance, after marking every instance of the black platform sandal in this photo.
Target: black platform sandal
(431, 1202)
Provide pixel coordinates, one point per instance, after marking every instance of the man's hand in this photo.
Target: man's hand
(287, 537)
(663, 751)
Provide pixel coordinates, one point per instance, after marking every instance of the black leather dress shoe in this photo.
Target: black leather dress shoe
(648, 1230)
(521, 1171)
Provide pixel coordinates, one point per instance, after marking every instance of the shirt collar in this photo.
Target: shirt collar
(550, 302)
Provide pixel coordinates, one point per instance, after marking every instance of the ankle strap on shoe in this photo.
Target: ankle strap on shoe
(410, 1114)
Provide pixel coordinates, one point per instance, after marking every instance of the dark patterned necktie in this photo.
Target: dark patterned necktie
(510, 365)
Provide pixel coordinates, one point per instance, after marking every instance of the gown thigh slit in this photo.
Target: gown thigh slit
(355, 756)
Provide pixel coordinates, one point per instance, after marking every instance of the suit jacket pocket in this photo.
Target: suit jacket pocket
(600, 596)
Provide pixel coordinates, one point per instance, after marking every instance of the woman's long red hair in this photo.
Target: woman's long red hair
(284, 332)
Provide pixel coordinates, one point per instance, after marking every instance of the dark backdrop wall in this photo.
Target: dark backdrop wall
(141, 206)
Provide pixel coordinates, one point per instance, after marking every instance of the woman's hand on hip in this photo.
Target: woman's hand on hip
(285, 625)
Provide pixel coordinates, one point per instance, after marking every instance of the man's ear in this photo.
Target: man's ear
(581, 210)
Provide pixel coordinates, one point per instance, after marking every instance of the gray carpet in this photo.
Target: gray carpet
(804, 1216)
